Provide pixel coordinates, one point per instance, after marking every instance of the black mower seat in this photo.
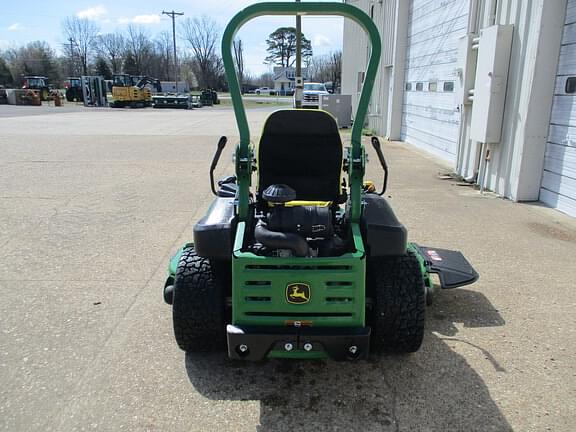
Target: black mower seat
(302, 149)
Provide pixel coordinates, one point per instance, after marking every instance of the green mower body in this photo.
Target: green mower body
(310, 261)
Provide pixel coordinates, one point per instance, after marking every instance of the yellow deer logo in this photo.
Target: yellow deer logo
(298, 293)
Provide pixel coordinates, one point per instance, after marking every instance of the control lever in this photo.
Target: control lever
(376, 144)
(221, 144)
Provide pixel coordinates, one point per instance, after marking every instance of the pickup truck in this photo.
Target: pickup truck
(311, 94)
(265, 91)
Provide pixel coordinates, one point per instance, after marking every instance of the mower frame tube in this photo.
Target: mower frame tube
(244, 151)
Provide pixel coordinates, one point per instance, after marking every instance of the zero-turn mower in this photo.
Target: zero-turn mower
(310, 261)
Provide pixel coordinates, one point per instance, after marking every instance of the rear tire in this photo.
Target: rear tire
(398, 296)
(198, 305)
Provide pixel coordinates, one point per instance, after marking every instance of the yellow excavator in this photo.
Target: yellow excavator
(132, 91)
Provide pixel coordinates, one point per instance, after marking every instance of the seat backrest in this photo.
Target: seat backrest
(302, 149)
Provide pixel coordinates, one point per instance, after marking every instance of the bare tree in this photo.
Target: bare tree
(36, 58)
(71, 60)
(139, 46)
(202, 35)
(326, 68)
(112, 47)
(163, 50)
(81, 34)
(187, 71)
(316, 68)
(265, 80)
(336, 69)
(239, 59)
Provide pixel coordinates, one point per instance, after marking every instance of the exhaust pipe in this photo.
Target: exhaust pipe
(280, 240)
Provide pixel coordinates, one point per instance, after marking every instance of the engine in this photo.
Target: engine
(306, 221)
(302, 230)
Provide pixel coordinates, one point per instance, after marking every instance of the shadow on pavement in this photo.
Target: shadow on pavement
(433, 390)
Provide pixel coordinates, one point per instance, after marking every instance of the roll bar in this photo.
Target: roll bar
(243, 151)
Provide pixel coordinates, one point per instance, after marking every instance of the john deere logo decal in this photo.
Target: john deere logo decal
(298, 293)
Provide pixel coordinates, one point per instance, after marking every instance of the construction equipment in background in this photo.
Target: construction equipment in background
(56, 98)
(172, 101)
(174, 95)
(73, 88)
(93, 91)
(132, 91)
(209, 97)
(40, 83)
(196, 101)
(175, 87)
(23, 97)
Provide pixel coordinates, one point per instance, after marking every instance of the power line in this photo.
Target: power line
(173, 15)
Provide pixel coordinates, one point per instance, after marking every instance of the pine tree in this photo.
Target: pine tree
(103, 69)
(5, 75)
(130, 66)
(282, 47)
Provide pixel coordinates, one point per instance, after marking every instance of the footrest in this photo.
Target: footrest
(452, 268)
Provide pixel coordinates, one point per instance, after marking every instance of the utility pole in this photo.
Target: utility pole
(299, 83)
(173, 16)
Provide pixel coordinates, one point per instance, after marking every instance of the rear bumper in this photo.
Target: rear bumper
(257, 342)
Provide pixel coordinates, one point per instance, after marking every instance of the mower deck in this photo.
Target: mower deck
(171, 101)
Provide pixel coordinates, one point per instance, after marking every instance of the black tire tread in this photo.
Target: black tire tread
(397, 289)
(198, 305)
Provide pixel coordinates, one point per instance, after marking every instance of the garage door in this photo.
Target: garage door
(430, 119)
(558, 187)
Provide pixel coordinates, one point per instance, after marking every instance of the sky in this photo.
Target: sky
(41, 20)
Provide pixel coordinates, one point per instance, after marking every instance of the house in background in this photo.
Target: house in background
(285, 79)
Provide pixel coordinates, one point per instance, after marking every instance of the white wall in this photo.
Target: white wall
(385, 99)
(515, 166)
(355, 55)
(558, 187)
(433, 121)
(430, 117)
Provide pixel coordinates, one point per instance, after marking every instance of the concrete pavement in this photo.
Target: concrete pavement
(94, 202)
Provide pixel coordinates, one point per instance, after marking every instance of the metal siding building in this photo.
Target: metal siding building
(356, 51)
(423, 94)
(430, 118)
(383, 13)
(559, 178)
